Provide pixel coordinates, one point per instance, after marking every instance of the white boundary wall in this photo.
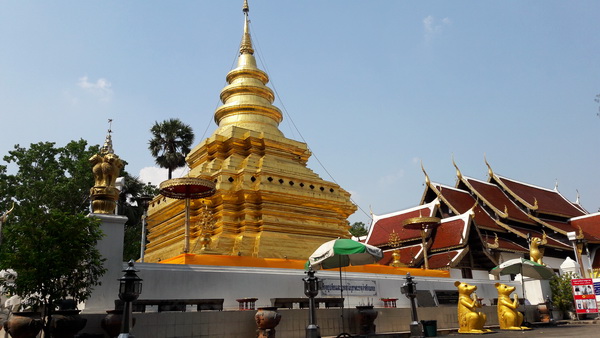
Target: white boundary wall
(175, 281)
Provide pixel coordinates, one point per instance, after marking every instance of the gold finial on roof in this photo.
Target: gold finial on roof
(458, 173)
(246, 44)
(427, 180)
(107, 148)
(490, 171)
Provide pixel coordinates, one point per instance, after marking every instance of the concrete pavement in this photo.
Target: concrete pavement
(583, 329)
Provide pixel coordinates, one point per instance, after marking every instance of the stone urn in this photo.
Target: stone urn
(112, 323)
(23, 324)
(365, 317)
(66, 323)
(266, 320)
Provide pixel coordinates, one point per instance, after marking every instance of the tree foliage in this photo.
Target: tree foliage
(358, 229)
(170, 143)
(562, 291)
(48, 240)
(50, 177)
(131, 207)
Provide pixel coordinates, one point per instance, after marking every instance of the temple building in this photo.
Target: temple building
(483, 223)
(268, 203)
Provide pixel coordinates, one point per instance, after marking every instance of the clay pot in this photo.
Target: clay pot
(23, 324)
(112, 323)
(366, 319)
(266, 320)
(66, 323)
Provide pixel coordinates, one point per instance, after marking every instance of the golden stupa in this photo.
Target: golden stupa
(267, 204)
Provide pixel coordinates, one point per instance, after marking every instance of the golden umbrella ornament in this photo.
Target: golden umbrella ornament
(187, 188)
(423, 224)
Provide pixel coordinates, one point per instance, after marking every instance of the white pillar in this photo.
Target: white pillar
(111, 248)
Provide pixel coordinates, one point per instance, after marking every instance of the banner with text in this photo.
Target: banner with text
(584, 295)
(331, 287)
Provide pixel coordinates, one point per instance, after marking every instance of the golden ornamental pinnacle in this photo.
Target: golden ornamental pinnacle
(207, 226)
(246, 44)
(394, 242)
(106, 167)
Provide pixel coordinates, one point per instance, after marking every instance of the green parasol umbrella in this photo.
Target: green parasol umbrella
(525, 267)
(343, 252)
(340, 253)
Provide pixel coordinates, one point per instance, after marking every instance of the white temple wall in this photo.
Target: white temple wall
(174, 281)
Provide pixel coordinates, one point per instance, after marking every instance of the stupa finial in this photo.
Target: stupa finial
(246, 45)
(107, 148)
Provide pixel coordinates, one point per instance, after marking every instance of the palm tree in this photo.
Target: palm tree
(170, 143)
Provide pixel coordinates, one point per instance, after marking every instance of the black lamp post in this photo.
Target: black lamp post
(143, 201)
(311, 290)
(409, 289)
(130, 288)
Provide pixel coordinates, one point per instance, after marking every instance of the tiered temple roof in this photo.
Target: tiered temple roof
(482, 219)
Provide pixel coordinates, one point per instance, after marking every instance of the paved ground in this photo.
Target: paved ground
(582, 329)
(571, 329)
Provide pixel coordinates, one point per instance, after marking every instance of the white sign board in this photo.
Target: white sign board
(331, 287)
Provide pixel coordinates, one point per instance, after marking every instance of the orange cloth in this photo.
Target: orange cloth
(279, 263)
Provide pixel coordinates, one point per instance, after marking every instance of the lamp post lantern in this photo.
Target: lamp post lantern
(130, 288)
(311, 290)
(143, 201)
(409, 289)
(578, 244)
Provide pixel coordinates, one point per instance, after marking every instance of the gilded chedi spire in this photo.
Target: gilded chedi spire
(247, 101)
(268, 203)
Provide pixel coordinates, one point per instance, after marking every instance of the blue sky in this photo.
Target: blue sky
(374, 88)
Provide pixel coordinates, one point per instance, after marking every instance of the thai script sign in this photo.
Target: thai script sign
(354, 287)
(584, 295)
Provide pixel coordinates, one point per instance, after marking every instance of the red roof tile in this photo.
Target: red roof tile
(453, 232)
(379, 233)
(494, 196)
(549, 201)
(506, 245)
(590, 224)
(446, 258)
(551, 241)
(408, 255)
(566, 227)
(462, 201)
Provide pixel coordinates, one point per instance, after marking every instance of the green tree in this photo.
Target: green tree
(170, 143)
(48, 240)
(562, 291)
(130, 207)
(358, 229)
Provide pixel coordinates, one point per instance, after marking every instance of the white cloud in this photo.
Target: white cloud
(102, 88)
(156, 175)
(433, 27)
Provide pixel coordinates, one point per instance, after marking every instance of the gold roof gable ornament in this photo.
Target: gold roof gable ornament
(106, 167)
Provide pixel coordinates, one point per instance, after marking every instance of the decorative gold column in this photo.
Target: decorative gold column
(106, 167)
